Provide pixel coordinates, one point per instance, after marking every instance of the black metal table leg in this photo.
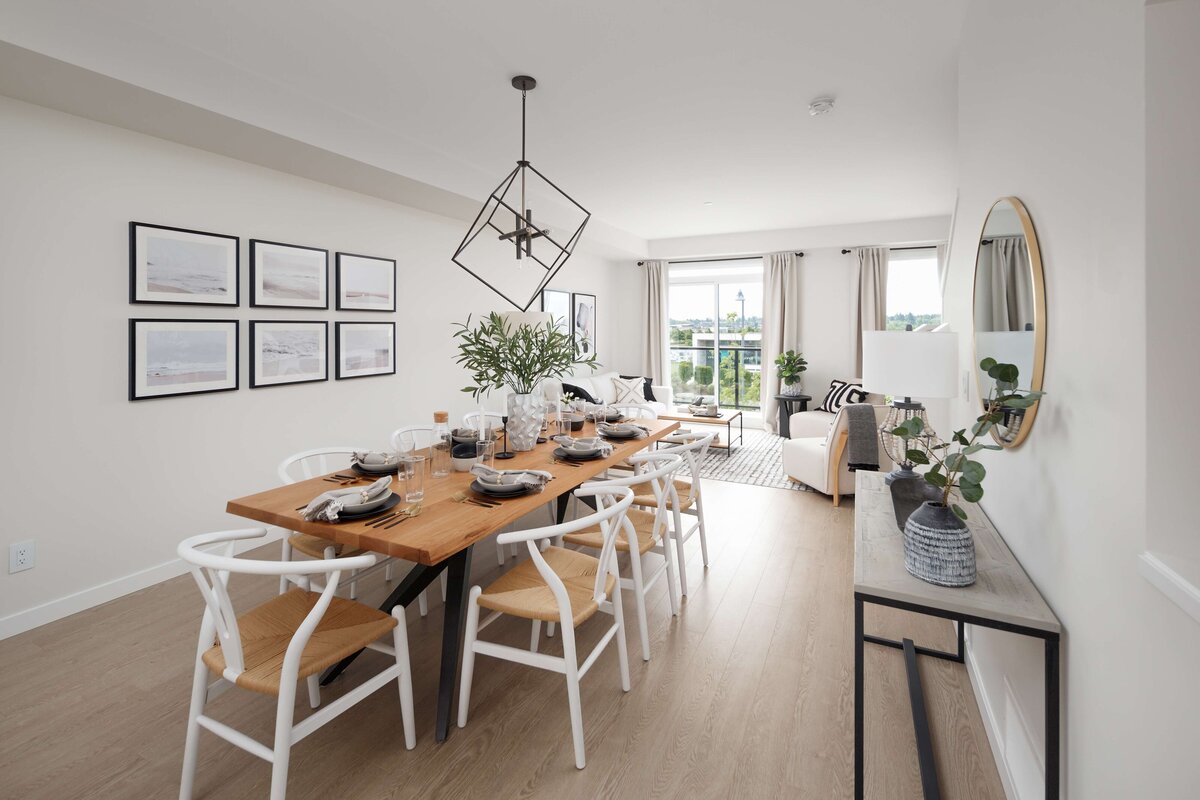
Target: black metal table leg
(858, 698)
(1052, 708)
(916, 699)
(408, 590)
(458, 582)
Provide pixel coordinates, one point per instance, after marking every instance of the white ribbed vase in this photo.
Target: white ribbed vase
(793, 390)
(938, 546)
(525, 414)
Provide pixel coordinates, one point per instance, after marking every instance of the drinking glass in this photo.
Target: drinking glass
(485, 453)
(411, 475)
(564, 423)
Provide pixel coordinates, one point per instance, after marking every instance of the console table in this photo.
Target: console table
(1002, 597)
(790, 404)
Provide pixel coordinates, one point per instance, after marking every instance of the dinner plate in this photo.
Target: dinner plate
(352, 502)
(575, 455)
(390, 501)
(375, 469)
(630, 433)
(501, 489)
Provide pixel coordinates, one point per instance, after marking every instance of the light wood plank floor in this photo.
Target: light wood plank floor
(749, 693)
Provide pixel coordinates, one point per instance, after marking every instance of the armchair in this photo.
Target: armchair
(816, 453)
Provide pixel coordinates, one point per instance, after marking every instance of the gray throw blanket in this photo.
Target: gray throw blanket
(862, 447)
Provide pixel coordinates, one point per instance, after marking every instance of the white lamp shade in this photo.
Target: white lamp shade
(910, 364)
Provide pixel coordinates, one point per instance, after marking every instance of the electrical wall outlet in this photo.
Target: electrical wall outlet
(21, 556)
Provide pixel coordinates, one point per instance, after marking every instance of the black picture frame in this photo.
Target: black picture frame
(139, 284)
(341, 262)
(569, 315)
(252, 355)
(339, 334)
(138, 391)
(577, 328)
(258, 298)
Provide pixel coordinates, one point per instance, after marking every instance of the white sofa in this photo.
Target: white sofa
(815, 455)
(601, 387)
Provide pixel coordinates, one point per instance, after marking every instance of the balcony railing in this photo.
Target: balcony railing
(733, 374)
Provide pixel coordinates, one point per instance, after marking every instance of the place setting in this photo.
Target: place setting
(494, 485)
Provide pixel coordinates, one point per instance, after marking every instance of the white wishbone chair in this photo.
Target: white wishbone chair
(635, 410)
(641, 532)
(684, 499)
(320, 629)
(555, 585)
(310, 464)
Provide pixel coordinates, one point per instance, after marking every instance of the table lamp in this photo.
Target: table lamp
(908, 364)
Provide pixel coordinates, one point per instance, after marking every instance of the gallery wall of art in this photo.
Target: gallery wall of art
(72, 187)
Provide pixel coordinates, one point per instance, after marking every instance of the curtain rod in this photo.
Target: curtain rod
(708, 260)
(895, 249)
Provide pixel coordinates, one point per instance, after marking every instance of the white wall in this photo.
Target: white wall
(1172, 289)
(77, 451)
(825, 274)
(1050, 97)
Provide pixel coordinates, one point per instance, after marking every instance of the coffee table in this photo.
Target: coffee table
(725, 418)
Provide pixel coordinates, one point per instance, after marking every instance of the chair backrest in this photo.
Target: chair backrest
(612, 503)
(658, 469)
(492, 419)
(693, 451)
(212, 570)
(636, 410)
(421, 437)
(311, 463)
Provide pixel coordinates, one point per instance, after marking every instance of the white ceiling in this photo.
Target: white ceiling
(644, 110)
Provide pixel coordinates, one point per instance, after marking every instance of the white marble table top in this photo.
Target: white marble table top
(1002, 591)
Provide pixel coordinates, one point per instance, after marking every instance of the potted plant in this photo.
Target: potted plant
(499, 354)
(938, 547)
(790, 366)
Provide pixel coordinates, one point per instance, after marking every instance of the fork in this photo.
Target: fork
(565, 463)
(460, 497)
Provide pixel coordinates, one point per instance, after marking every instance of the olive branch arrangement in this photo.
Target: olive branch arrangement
(956, 470)
(499, 354)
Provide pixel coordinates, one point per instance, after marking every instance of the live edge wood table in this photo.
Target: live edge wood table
(441, 537)
(1002, 597)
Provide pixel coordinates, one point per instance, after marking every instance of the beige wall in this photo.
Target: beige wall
(77, 451)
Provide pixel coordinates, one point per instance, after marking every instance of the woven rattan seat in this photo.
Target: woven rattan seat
(522, 592)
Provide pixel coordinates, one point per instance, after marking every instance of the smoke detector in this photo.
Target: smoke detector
(820, 105)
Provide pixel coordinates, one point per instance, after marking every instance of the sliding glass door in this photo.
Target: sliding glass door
(715, 309)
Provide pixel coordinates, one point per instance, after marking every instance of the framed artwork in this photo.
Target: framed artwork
(169, 357)
(558, 303)
(584, 320)
(288, 352)
(288, 275)
(365, 349)
(365, 283)
(180, 266)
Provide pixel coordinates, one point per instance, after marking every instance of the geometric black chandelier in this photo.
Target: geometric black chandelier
(505, 227)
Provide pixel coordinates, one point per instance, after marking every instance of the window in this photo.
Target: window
(715, 311)
(914, 293)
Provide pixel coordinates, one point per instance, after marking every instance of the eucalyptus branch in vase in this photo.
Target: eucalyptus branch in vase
(953, 470)
(499, 354)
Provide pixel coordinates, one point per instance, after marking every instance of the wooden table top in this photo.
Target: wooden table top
(443, 527)
(685, 416)
(1002, 591)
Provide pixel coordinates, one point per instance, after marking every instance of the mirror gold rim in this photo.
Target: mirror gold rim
(1039, 316)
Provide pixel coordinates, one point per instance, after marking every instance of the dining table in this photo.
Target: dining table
(441, 537)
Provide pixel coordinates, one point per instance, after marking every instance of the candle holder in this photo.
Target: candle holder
(505, 454)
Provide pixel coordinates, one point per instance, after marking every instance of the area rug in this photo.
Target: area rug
(756, 461)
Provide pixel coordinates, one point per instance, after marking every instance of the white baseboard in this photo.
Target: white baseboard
(93, 596)
(995, 735)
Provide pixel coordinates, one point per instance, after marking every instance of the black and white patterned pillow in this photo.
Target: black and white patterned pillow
(842, 393)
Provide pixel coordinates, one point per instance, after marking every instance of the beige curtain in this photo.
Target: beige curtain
(868, 297)
(1011, 283)
(781, 325)
(654, 359)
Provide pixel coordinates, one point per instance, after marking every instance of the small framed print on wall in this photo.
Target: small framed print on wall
(584, 307)
(283, 352)
(365, 349)
(170, 357)
(180, 266)
(365, 283)
(288, 275)
(558, 303)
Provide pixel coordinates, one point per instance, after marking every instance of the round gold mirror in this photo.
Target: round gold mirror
(1010, 310)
